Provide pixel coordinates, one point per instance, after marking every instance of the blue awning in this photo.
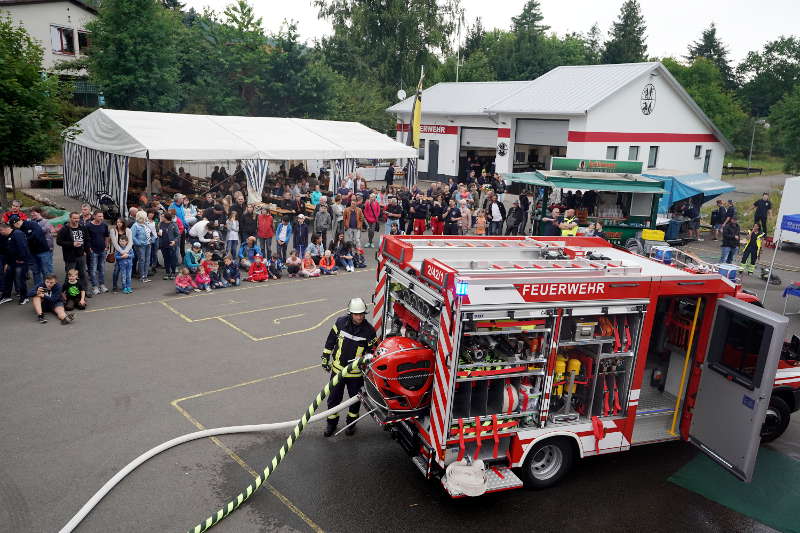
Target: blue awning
(678, 187)
(791, 223)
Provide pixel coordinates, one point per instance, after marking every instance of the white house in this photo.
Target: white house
(58, 25)
(634, 111)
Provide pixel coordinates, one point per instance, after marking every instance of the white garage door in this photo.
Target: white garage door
(478, 138)
(546, 132)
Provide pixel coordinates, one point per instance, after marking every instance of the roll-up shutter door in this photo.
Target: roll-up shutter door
(544, 132)
(478, 137)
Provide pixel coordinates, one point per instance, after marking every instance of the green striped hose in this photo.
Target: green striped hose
(243, 496)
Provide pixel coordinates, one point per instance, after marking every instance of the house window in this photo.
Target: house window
(633, 153)
(697, 149)
(62, 40)
(83, 41)
(652, 158)
(611, 152)
(707, 161)
(421, 150)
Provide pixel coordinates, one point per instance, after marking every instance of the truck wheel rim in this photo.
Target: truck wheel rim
(771, 422)
(546, 462)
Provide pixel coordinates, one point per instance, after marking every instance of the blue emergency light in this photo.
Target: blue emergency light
(461, 288)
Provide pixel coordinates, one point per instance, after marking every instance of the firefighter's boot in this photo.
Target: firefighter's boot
(351, 429)
(331, 429)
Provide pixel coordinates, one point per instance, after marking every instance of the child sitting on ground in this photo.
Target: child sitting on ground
(74, 293)
(46, 298)
(124, 265)
(258, 270)
(358, 259)
(184, 284)
(275, 267)
(293, 264)
(202, 279)
(308, 269)
(208, 257)
(193, 257)
(230, 272)
(327, 264)
(217, 281)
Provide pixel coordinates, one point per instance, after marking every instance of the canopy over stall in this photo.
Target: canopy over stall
(680, 186)
(97, 157)
(622, 200)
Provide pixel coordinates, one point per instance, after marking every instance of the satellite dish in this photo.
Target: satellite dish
(401, 94)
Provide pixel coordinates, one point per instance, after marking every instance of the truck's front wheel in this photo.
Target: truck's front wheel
(547, 462)
(777, 419)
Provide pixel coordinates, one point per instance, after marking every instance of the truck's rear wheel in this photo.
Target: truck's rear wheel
(777, 419)
(547, 462)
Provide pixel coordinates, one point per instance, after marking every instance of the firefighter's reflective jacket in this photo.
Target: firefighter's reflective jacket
(347, 341)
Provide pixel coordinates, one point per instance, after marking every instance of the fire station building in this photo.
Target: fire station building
(634, 111)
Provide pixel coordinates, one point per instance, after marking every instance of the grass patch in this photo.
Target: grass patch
(770, 163)
(745, 211)
(26, 200)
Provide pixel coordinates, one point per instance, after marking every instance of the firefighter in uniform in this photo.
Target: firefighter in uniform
(569, 226)
(350, 337)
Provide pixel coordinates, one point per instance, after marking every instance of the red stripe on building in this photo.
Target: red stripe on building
(503, 133)
(434, 129)
(622, 136)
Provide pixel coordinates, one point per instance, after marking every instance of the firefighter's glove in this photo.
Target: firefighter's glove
(326, 366)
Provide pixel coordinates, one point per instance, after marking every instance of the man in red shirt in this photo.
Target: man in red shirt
(266, 230)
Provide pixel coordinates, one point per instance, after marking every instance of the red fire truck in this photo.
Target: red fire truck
(541, 350)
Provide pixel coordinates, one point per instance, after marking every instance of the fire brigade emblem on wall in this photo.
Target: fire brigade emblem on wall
(502, 149)
(648, 100)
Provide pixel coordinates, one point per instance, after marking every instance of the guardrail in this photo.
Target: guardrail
(732, 171)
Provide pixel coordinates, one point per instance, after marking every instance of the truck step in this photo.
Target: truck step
(497, 478)
(421, 463)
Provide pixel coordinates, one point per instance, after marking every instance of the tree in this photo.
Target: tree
(710, 47)
(528, 20)
(387, 40)
(594, 44)
(704, 83)
(134, 57)
(784, 121)
(473, 39)
(770, 74)
(627, 36)
(31, 103)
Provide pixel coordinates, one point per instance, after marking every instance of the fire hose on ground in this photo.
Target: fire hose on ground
(235, 503)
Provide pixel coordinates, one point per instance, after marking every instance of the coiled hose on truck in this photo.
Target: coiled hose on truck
(235, 503)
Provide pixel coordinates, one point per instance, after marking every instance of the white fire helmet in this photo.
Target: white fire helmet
(357, 306)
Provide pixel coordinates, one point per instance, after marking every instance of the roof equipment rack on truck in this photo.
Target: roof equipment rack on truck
(546, 349)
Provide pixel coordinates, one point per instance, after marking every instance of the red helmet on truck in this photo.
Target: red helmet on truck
(401, 375)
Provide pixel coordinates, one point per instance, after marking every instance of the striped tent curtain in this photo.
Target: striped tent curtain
(341, 168)
(88, 172)
(411, 177)
(256, 171)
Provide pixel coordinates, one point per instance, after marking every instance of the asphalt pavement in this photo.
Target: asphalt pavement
(81, 401)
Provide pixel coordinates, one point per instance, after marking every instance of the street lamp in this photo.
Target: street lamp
(756, 122)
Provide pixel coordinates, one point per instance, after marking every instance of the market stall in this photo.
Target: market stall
(98, 158)
(682, 190)
(613, 193)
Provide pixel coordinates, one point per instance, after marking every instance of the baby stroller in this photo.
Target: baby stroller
(107, 205)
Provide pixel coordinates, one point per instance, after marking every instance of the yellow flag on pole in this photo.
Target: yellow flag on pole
(416, 114)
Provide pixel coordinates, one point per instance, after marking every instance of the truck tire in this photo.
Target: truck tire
(547, 462)
(777, 419)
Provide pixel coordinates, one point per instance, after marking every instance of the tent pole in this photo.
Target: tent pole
(772, 263)
(149, 181)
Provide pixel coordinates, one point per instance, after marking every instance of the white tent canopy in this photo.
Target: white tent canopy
(183, 137)
(96, 159)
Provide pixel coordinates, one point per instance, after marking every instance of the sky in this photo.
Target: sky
(743, 25)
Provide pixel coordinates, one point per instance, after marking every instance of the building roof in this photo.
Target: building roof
(566, 90)
(78, 3)
(210, 137)
(463, 98)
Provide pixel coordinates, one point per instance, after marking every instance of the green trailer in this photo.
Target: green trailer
(623, 201)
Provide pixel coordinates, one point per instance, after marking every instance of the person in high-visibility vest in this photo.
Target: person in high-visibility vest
(752, 248)
(350, 337)
(569, 226)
